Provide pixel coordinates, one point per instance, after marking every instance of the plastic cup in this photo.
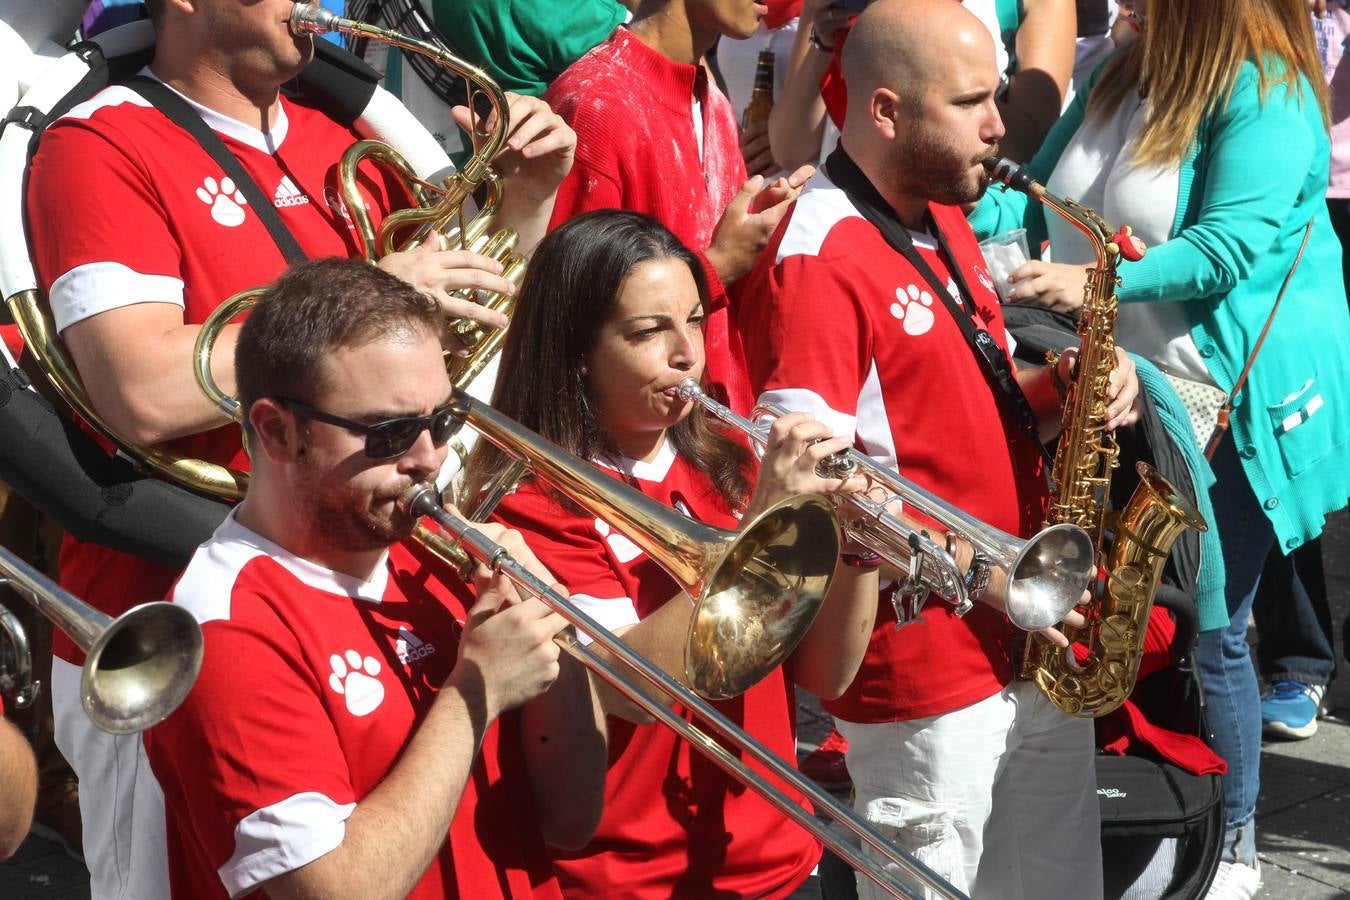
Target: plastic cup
(1004, 253)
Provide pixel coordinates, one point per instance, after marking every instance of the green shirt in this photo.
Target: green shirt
(525, 44)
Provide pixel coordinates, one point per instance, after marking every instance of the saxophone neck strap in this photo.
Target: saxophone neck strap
(1224, 416)
(163, 98)
(993, 362)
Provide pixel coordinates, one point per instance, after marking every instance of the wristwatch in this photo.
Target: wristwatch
(814, 40)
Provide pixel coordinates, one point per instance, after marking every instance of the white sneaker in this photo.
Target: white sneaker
(1235, 881)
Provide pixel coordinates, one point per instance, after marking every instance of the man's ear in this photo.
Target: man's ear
(276, 432)
(886, 112)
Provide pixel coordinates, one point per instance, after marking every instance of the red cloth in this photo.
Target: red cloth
(310, 687)
(1127, 728)
(840, 325)
(632, 110)
(13, 340)
(674, 824)
(124, 207)
(781, 12)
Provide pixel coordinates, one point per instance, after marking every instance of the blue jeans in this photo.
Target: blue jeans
(1293, 619)
(1224, 662)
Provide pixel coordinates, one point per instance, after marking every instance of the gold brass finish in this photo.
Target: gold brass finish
(756, 590)
(138, 667)
(1151, 521)
(437, 212)
(40, 339)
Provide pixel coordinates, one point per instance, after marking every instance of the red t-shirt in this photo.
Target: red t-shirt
(674, 824)
(311, 686)
(124, 207)
(838, 324)
(639, 148)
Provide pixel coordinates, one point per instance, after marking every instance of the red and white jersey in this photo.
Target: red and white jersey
(124, 207)
(840, 325)
(312, 684)
(674, 824)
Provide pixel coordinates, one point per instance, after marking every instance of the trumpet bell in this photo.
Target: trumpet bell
(1046, 578)
(141, 667)
(762, 597)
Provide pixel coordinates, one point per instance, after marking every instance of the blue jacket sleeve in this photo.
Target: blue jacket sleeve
(1242, 199)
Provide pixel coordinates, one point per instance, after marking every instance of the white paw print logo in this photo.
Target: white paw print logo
(226, 202)
(624, 550)
(354, 678)
(983, 275)
(912, 308)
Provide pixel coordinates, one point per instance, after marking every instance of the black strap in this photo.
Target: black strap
(846, 175)
(177, 109)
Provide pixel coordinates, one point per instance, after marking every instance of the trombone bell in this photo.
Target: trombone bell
(138, 667)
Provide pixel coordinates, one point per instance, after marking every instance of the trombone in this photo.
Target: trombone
(138, 667)
(422, 500)
(1046, 573)
(757, 592)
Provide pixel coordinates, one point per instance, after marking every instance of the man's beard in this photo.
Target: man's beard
(343, 517)
(926, 166)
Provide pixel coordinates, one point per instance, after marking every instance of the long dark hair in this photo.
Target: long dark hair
(570, 289)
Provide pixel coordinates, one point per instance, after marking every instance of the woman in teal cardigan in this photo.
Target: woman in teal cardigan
(1209, 135)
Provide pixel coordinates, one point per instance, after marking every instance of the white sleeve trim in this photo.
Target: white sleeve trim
(841, 424)
(612, 612)
(93, 288)
(283, 837)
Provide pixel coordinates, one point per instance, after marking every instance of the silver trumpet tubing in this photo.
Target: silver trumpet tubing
(138, 667)
(895, 868)
(1046, 573)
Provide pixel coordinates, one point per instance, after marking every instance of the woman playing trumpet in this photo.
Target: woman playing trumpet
(609, 323)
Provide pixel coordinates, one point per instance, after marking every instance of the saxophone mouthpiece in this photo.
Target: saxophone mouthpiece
(1005, 171)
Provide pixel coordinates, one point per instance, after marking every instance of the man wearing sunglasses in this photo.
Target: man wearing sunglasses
(362, 725)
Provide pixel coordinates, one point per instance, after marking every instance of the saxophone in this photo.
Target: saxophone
(1097, 681)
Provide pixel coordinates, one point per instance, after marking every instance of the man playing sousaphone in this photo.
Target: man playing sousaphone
(138, 232)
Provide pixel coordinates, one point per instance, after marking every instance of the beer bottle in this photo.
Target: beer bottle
(761, 98)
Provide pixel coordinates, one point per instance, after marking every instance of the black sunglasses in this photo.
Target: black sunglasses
(392, 437)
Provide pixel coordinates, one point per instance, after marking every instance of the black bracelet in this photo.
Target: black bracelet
(814, 40)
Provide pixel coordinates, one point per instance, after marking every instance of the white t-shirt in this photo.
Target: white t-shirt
(1095, 170)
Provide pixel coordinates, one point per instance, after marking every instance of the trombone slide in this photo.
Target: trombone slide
(422, 500)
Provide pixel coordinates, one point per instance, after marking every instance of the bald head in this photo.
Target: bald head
(901, 44)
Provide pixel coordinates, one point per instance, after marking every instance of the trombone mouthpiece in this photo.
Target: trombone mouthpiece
(310, 18)
(419, 498)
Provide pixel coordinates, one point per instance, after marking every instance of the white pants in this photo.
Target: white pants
(121, 805)
(999, 797)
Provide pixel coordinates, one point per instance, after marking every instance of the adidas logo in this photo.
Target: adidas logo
(410, 648)
(288, 194)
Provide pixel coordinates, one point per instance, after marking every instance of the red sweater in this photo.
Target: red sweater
(637, 149)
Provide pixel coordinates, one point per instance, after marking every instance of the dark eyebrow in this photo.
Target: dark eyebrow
(660, 317)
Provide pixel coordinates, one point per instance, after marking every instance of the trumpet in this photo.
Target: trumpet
(422, 500)
(1046, 574)
(138, 667)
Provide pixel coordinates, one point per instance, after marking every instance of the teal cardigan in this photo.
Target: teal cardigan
(1255, 177)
